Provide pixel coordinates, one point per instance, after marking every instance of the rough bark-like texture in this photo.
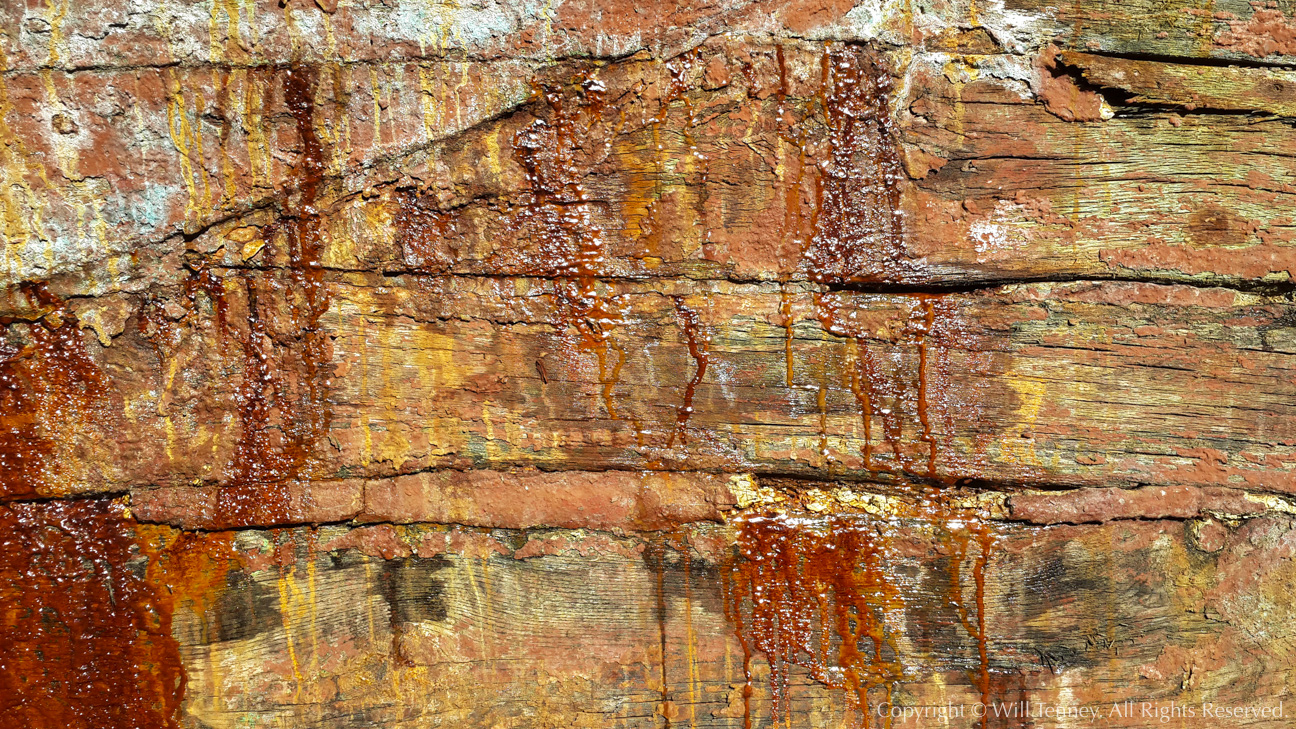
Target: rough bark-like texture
(721, 364)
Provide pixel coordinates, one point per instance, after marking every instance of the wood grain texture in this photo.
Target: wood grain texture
(337, 637)
(709, 164)
(1061, 384)
(393, 363)
(1232, 30)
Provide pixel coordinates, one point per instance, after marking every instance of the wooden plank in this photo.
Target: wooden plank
(1192, 87)
(1232, 30)
(707, 165)
(1141, 195)
(405, 626)
(1004, 189)
(1093, 384)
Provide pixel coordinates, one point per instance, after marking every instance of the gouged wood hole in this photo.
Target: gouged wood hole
(721, 364)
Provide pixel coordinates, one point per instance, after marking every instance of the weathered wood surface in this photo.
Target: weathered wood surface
(1233, 30)
(1059, 384)
(695, 165)
(424, 625)
(557, 361)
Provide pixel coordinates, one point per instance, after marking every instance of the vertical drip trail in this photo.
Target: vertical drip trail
(282, 397)
(697, 347)
(858, 236)
(901, 374)
(861, 387)
(858, 233)
(656, 557)
(49, 388)
(813, 592)
(817, 592)
(569, 246)
(985, 540)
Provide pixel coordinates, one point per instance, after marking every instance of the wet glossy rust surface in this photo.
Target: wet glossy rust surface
(49, 387)
(824, 593)
(85, 630)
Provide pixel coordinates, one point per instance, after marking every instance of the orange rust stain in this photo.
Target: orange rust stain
(192, 565)
(858, 232)
(902, 373)
(569, 246)
(48, 384)
(420, 227)
(958, 543)
(861, 373)
(282, 413)
(814, 593)
(697, 347)
(85, 637)
(817, 592)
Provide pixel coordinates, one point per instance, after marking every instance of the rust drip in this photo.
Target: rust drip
(958, 543)
(655, 555)
(568, 246)
(611, 379)
(698, 351)
(861, 373)
(858, 235)
(901, 374)
(86, 640)
(255, 493)
(928, 321)
(282, 396)
(877, 396)
(49, 388)
(816, 592)
(305, 248)
(193, 567)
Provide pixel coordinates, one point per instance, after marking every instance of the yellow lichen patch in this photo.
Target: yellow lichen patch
(748, 492)
(1018, 446)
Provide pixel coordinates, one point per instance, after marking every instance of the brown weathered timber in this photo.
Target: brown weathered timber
(1191, 87)
(712, 164)
(1051, 383)
(401, 626)
(1235, 30)
(587, 363)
